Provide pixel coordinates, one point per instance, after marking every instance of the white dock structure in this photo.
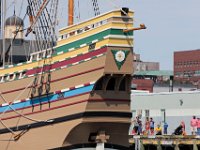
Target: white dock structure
(172, 107)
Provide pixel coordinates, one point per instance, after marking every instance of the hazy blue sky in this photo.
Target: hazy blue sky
(172, 25)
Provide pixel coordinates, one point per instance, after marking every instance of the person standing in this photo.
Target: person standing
(139, 126)
(193, 124)
(198, 126)
(151, 126)
(135, 126)
(147, 126)
(183, 127)
(165, 126)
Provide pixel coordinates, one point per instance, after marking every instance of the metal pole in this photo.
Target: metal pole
(3, 31)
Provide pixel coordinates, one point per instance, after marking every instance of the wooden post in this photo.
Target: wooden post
(141, 145)
(159, 147)
(195, 145)
(176, 147)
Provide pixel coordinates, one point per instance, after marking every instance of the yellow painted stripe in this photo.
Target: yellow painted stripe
(84, 35)
(66, 55)
(92, 21)
(53, 59)
(94, 31)
(121, 42)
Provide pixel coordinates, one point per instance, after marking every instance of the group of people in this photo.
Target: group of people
(150, 129)
(195, 125)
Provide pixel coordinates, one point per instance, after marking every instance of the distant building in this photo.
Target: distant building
(140, 65)
(143, 84)
(187, 66)
(17, 49)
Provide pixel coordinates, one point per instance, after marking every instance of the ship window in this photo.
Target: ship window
(96, 24)
(62, 36)
(23, 74)
(66, 36)
(104, 21)
(48, 53)
(122, 86)
(79, 31)
(87, 28)
(111, 84)
(17, 75)
(40, 55)
(11, 76)
(72, 33)
(34, 57)
(99, 84)
(92, 46)
(4, 78)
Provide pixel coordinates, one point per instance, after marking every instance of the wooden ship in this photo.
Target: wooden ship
(74, 93)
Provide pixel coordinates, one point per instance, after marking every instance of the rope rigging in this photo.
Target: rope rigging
(43, 27)
(96, 7)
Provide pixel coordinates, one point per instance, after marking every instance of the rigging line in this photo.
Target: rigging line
(47, 34)
(79, 14)
(41, 8)
(32, 13)
(44, 21)
(9, 105)
(39, 38)
(11, 131)
(38, 34)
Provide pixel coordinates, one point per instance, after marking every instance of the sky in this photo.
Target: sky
(172, 25)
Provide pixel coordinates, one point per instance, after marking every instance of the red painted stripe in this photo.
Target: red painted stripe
(71, 88)
(58, 92)
(56, 80)
(66, 105)
(23, 100)
(14, 90)
(86, 84)
(67, 62)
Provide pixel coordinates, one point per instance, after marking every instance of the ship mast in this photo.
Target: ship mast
(3, 31)
(70, 12)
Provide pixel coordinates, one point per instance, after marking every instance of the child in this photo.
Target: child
(158, 130)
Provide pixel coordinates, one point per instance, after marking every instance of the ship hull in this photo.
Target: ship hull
(69, 99)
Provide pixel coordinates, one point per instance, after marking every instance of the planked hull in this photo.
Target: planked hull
(83, 89)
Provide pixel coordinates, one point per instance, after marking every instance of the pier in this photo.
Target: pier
(165, 142)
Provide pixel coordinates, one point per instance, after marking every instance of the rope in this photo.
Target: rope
(96, 7)
(9, 106)
(7, 127)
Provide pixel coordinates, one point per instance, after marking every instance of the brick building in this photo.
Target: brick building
(187, 66)
(140, 65)
(143, 84)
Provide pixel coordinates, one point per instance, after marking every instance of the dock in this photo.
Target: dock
(165, 142)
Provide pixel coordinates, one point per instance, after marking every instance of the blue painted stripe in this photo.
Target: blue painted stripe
(50, 98)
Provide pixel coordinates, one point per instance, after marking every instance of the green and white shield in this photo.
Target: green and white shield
(120, 57)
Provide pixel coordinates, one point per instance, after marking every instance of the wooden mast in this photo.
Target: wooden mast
(70, 12)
